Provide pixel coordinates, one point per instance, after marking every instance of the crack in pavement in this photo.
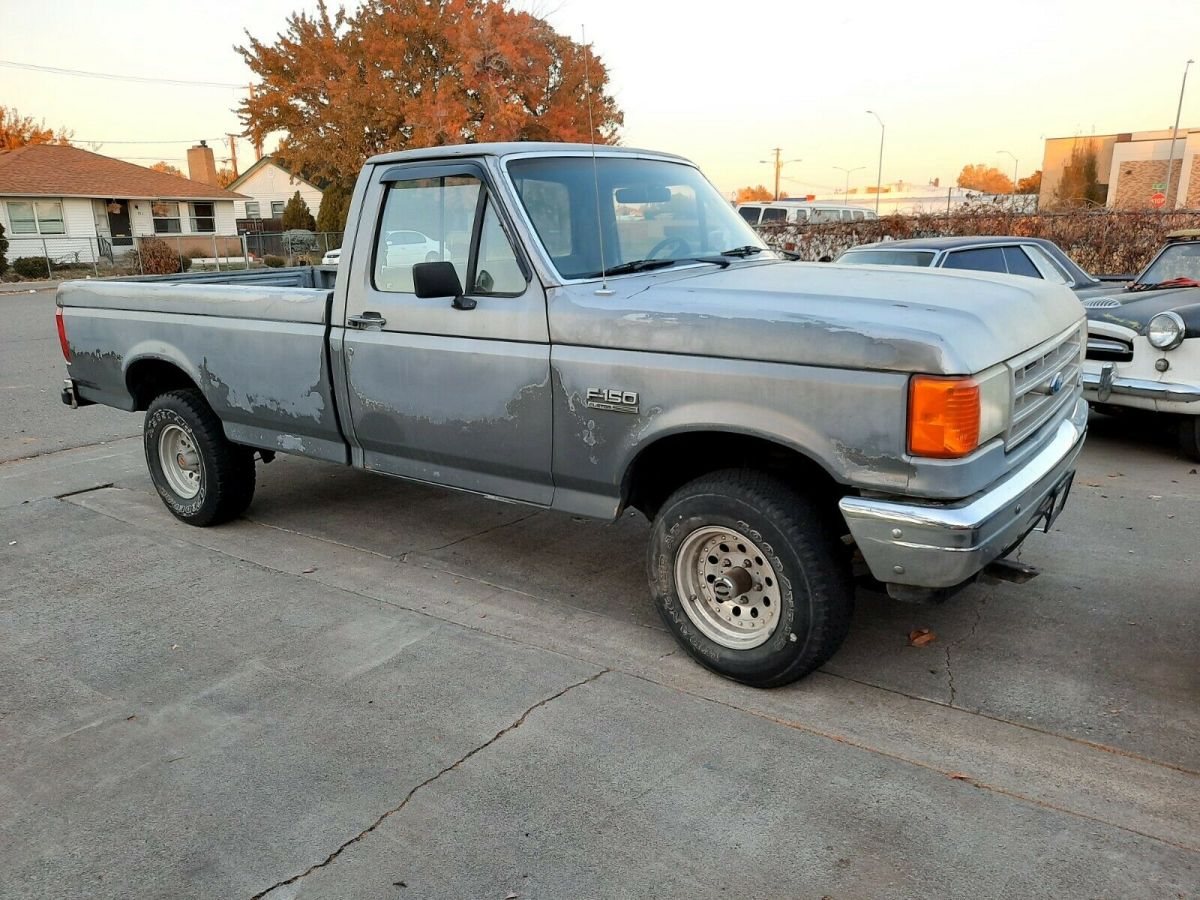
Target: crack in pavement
(487, 530)
(428, 781)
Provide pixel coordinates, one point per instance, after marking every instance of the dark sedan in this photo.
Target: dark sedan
(1030, 257)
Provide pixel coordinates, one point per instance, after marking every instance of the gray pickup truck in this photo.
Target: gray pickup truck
(590, 333)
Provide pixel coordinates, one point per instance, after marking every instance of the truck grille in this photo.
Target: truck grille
(1038, 392)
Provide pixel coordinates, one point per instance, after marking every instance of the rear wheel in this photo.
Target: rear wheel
(749, 577)
(1189, 436)
(201, 476)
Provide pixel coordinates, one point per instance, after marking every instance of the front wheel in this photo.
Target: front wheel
(749, 577)
(201, 476)
(1189, 436)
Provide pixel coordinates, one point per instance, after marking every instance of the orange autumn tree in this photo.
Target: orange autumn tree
(17, 130)
(166, 168)
(750, 194)
(392, 74)
(985, 178)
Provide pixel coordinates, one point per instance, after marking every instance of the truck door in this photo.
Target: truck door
(451, 396)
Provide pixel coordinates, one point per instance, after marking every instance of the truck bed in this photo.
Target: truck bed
(254, 342)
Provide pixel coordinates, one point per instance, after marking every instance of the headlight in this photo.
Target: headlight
(995, 402)
(1166, 331)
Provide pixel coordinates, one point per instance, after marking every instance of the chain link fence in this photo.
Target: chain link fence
(57, 258)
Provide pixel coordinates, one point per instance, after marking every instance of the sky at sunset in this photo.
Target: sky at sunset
(720, 83)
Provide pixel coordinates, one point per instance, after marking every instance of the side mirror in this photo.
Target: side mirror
(440, 279)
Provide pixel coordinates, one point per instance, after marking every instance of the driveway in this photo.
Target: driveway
(367, 688)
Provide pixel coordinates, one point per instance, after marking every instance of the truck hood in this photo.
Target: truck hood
(879, 318)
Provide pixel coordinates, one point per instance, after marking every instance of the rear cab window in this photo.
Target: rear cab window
(979, 259)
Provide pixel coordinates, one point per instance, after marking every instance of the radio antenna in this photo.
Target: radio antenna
(587, 81)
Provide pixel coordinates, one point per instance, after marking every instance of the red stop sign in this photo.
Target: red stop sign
(1157, 199)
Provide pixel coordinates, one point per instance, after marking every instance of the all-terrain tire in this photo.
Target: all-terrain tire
(1189, 436)
(786, 534)
(223, 471)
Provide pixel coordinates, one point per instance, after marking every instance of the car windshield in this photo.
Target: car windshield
(648, 210)
(1175, 261)
(886, 258)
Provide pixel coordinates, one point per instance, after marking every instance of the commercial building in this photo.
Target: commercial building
(1131, 169)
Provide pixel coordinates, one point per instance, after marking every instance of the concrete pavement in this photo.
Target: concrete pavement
(367, 682)
(366, 688)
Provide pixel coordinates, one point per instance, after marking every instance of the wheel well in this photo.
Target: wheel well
(672, 461)
(148, 378)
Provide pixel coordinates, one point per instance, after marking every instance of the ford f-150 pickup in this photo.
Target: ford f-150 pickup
(590, 329)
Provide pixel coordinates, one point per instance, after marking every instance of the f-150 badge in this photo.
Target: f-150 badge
(612, 399)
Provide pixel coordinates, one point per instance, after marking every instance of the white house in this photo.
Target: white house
(67, 203)
(268, 186)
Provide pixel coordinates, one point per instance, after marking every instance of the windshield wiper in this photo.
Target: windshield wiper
(647, 265)
(753, 250)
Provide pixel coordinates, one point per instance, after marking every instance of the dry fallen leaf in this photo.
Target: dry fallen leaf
(919, 637)
(959, 776)
(308, 571)
(511, 895)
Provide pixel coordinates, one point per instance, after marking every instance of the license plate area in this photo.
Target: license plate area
(1054, 502)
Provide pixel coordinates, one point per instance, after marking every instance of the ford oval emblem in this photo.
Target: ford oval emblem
(1057, 383)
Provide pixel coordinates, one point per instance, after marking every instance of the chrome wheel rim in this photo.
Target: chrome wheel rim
(728, 587)
(180, 461)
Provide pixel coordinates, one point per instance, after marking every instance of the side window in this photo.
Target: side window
(847, 215)
(800, 215)
(497, 270)
(985, 259)
(425, 220)
(825, 216)
(858, 215)
(1046, 264)
(750, 213)
(1019, 264)
(773, 215)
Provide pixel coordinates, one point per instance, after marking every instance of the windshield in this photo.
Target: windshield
(886, 258)
(1176, 261)
(649, 209)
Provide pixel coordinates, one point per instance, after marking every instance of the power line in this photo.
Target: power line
(102, 141)
(54, 70)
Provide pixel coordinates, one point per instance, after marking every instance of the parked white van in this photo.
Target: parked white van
(801, 212)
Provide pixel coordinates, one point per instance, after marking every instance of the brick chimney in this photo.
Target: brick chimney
(201, 165)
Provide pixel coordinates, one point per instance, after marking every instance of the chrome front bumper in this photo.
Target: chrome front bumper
(942, 545)
(1105, 383)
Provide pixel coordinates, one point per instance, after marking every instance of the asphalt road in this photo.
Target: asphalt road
(372, 689)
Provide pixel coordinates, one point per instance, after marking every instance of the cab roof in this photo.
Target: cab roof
(509, 148)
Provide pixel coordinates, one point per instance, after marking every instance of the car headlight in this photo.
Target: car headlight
(995, 402)
(1166, 331)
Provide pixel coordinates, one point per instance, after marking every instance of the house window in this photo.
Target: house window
(41, 217)
(166, 216)
(252, 210)
(277, 209)
(203, 221)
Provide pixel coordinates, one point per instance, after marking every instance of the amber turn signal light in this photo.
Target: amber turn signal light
(943, 416)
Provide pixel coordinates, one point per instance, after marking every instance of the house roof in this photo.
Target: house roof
(51, 170)
(318, 184)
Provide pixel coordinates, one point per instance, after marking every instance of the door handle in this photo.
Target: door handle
(366, 320)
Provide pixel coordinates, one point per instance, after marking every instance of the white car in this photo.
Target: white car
(1143, 346)
(407, 248)
(331, 257)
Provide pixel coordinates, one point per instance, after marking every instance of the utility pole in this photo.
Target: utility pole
(778, 164)
(232, 152)
(1016, 163)
(879, 175)
(1174, 133)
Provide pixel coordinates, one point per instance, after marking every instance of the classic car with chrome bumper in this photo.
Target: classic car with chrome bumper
(942, 545)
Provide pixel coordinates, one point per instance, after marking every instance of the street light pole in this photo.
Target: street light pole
(879, 175)
(1174, 133)
(1016, 163)
(846, 193)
